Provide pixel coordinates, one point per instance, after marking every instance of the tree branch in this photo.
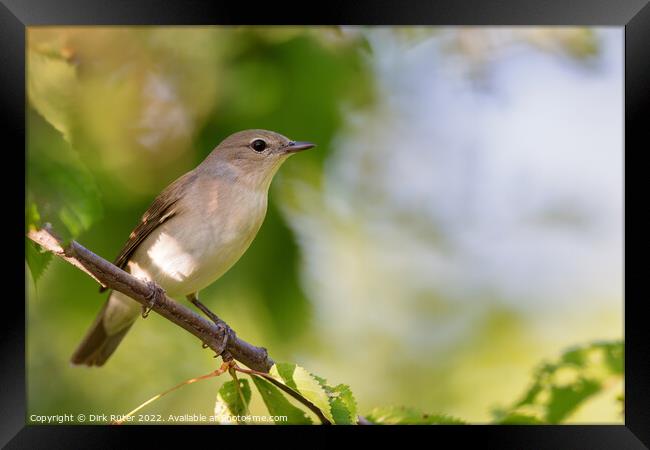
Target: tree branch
(219, 338)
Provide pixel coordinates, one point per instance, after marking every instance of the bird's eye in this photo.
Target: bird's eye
(258, 145)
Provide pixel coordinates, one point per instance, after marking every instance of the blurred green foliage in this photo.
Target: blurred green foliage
(558, 390)
(115, 114)
(560, 387)
(139, 106)
(60, 190)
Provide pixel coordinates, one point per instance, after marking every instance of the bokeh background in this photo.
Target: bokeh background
(459, 222)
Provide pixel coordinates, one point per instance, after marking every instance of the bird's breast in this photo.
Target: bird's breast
(191, 251)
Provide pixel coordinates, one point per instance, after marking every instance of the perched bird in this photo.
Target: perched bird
(194, 231)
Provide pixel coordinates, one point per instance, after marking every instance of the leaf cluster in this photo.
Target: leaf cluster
(557, 390)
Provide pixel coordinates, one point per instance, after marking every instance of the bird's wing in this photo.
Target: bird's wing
(163, 208)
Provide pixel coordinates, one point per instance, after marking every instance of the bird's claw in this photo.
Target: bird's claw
(152, 298)
(228, 333)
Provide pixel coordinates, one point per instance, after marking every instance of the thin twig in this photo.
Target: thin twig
(212, 374)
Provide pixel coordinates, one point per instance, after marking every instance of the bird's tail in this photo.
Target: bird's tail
(111, 325)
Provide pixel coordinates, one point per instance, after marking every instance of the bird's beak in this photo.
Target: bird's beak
(298, 146)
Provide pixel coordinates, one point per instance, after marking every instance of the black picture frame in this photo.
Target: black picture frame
(633, 15)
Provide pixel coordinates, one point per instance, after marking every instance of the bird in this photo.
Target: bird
(193, 232)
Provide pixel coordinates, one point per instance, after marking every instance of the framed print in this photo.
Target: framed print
(388, 217)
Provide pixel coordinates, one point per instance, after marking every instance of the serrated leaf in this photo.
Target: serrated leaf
(229, 402)
(278, 405)
(304, 383)
(341, 407)
(51, 83)
(311, 389)
(400, 415)
(342, 402)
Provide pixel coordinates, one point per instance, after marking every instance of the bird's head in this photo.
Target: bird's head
(254, 156)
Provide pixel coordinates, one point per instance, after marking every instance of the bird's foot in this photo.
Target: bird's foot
(224, 330)
(226, 334)
(152, 298)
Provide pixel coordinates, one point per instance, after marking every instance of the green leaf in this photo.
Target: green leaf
(37, 259)
(336, 403)
(278, 405)
(614, 357)
(576, 357)
(565, 399)
(58, 182)
(229, 404)
(32, 217)
(283, 372)
(560, 388)
(51, 83)
(400, 415)
(342, 402)
(304, 383)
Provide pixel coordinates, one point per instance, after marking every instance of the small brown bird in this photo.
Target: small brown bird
(194, 231)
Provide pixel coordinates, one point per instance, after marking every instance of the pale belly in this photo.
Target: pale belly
(186, 255)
